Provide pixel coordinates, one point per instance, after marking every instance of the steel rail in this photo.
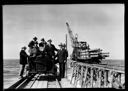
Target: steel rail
(34, 80)
(20, 83)
(24, 83)
(17, 83)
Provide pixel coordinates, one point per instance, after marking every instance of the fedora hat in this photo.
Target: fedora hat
(42, 39)
(64, 45)
(35, 38)
(49, 40)
(24, 47)
(60, 44)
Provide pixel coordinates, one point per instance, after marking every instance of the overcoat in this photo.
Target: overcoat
(23, 57)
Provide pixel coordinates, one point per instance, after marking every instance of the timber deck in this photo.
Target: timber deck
(79, 75)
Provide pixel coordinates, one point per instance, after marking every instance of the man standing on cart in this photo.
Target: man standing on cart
(33, 49)
(50, 50)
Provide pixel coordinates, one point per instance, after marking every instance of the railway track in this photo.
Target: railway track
(22, 82)
(37, 81)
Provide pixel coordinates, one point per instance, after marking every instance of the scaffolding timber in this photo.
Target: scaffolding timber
(96, 76)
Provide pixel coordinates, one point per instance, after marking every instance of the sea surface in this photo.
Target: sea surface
(11, 70)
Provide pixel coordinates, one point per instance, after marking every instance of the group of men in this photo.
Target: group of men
(41, 49)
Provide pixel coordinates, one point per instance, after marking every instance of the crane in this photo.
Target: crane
(74, 39)
(82, 51)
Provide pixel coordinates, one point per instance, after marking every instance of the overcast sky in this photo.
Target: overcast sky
(101, 25)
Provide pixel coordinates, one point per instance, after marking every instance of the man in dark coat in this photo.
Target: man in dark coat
(34, 52)
(42, 43)
(23, 60)
(41, 59)
(62, 56)
(33, 43)
(50, 50)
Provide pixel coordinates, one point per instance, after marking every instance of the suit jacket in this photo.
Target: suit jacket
(62, 55)
(50, 50)
(32, 43)
(23, 57)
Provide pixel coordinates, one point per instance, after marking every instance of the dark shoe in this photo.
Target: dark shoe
(20, 77)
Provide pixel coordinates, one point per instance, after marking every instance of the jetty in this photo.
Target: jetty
(83, 70)
(79, 75)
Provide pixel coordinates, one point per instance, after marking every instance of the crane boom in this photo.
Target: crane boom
(73, 39)
(82, 52)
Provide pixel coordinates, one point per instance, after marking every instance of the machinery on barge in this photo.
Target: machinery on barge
(82, 51)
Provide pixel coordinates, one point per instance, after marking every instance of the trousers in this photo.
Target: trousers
(22, 68)
(62, 70)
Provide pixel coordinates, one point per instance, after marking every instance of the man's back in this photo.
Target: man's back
(50, 49)
(23, 57)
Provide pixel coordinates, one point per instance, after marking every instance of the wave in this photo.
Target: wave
(6, 71)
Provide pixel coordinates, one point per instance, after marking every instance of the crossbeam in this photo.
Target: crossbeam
(98, 76)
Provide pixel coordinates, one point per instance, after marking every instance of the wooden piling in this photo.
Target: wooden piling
(91, 82)
(99, 76)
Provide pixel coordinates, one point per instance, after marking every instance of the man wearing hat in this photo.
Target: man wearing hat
(65, 57)
(23, 60)
(50, 50)
(33, 43)
(62, 56)
(42, 43)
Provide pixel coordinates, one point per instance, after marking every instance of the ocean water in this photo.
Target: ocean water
(12, 68)
(11, 72)
(114, 62)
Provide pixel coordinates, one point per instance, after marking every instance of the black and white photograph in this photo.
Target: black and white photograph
(63, 46)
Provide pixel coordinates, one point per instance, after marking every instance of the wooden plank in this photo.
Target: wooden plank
(105, 79)
(76, 76)
(73, 73)
(85, 77)
(119, 77)
(51, 84)
(35, 84)
(87, 86)
(118, 83)
(65, 83)
(81, 78)
(99, 79)
(29, 84)
(111, 78)
(42, 84)
(91, 77)
(58, 84)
